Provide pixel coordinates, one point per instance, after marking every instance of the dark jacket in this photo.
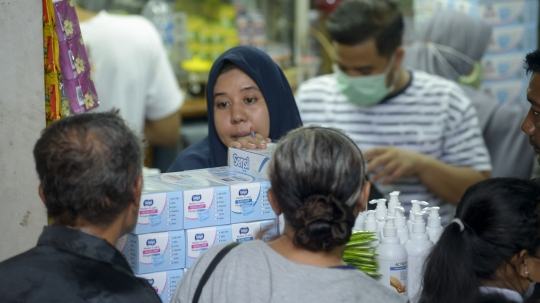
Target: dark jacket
(68, 265)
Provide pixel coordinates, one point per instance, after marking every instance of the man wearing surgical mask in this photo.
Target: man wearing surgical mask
(419, 132)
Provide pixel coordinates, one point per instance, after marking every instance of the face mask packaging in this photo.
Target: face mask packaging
(245, 232)
(164, 282)
(499, 12)
(513, 37)
(248, 194)
(251, 161)
(154, 252)
(180, 200)
(200, 239)
(506, 91)
(506, 66)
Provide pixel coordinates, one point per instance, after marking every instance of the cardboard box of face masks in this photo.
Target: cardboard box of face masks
(164, 282)
(507, 66)
(508, 92)
(175, 201)
(245, 232)
(499, 12)
(513, 38)
(201, 239)
(154, 252)
(248, 193)
(251, 161)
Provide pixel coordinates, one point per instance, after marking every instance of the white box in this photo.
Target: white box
(511, 91)
(154, 252)
(504, 66)
(200, 239)
(180, 200)
(245, 232)
(164, 282)
(248, 193)
(499, 12)
(513, 38)
(251, 161)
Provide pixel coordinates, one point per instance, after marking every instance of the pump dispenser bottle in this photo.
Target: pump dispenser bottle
(392, 259)
(434, 228)
(402, 230)
(360, 221)
(416, 208)
(381, 213)
(418, 247)
(371, 225)
(393, 203)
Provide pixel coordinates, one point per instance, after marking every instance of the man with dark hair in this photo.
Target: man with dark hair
(419, 132)
(532, 120)
(89, 167)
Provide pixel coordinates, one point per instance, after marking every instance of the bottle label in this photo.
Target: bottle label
(394, 275)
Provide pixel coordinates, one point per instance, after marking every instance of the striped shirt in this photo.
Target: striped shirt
(430, 115)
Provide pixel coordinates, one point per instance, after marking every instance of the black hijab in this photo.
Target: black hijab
(284, 115)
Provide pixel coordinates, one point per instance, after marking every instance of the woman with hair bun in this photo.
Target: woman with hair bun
(318, 184)
(491, 247)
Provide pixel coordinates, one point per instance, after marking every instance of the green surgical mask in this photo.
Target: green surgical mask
(475, 78)
(364, 90)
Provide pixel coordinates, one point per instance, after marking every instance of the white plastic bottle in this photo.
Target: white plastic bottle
(381, 213)
(360, 221)
(371, 225)
(393, 203)
(418, 247)
(416, 208)
(392, 259)
(399, 221)
(434, 228)
(160, 14)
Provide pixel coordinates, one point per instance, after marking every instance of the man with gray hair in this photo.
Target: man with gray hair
(89, 167)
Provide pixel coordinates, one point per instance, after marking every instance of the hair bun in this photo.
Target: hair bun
(322, 223)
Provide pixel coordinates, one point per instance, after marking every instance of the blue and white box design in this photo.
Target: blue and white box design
(499, 12)
(511, 91)
(245, 232)
(164, 282)
(251, 161)
(513, 38)
(189, 201)
(248, 193)
(506, 66)
(155, 252)
(200, 239)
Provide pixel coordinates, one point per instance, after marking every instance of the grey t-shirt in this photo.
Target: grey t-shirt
(253, 272)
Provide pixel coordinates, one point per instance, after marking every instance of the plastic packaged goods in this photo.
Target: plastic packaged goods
(416, 208)
(434, 228)
(394, 201)
(371, 225)
(200, 239)
(160, 14)
(399, 221)
(418, 247)
(381, 213)
(164, 282)
(392, 258)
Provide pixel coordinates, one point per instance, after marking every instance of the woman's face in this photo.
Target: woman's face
(239, 105)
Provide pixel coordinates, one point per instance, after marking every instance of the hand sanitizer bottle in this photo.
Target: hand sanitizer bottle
(402, 230)
(371, 225)
(381, 213)
(416, 208)
(434, 228)
(360, 221)
(393, 203)
(418, 247)
(392, 259)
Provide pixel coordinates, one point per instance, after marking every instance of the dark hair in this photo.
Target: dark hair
(356, 21)
(88, 166)
(532, 62)
(317, 175)
(500, 218)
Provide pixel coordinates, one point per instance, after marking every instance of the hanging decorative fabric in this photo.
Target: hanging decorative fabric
(51, 64)
(78, 86)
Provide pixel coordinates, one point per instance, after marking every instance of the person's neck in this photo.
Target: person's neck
(519, 286)
(403, 78)
(285, 247)
(110, 233)
(84, 15)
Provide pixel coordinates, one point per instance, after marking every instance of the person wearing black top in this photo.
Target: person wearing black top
(89, 167)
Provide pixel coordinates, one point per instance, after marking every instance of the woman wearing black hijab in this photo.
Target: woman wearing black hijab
(245, 90)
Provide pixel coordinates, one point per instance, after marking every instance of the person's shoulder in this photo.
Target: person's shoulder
(370, 290)
(324, 83)
(195, 156)
(423, 79)
(433, 87)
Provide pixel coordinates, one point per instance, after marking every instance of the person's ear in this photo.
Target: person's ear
(273, 203)
(400, 54)
(137, 193)
(519, 261)
(42, 195)
(362, 201)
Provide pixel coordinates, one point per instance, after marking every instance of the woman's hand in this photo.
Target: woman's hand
(251, 142)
